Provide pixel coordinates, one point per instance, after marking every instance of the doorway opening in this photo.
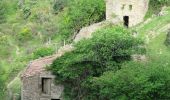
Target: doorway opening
(126, 21)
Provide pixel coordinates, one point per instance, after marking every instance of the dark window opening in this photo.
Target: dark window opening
(130, 7)
(123, 7)
(46, 85)
(126, 21)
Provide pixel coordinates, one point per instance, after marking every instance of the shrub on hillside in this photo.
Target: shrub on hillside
(105, 51)
(2, 85)
(4, 39)
(135, 81)
(26, 12)
(2, 81)
(25, 35)
(42, 52)
(2, 12)
(167, 41)
(78, 14)
(155, 6)
(59, 5)
(4, 45)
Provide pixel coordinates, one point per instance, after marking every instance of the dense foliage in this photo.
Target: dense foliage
(80, 13)
(59, 5)
(155, 6)
(2, 85)
(135, 81)
(105, 51)
(42, 52)
(22, 31)
(24, 35)
(2, 12)
(167, 41)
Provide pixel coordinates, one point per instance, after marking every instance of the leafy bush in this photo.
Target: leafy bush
(80, 13)
(2, 83)
(4, 45)
(11, 7)
(4, 39)
(2, 12)
(155, 6)
(59, 5)
(25, 35)
(26, 12)
(44, 51)
(105, 51)
(135, 81)
(167, 41)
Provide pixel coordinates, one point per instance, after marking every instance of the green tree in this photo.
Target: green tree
(2, 81)
(135, 81)
(155, 6)
(2, 12)
(78, 14)
(167, 41)
(59, 5)
(105, 51)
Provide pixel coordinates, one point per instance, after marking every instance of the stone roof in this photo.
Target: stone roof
(37, 66)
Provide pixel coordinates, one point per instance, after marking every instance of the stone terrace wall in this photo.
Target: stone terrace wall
(86, 32)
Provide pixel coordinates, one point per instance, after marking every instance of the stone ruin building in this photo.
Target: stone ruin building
(38, 83)
(130, 12)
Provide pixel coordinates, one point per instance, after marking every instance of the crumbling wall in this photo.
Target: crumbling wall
(30, 88)
(86, 32)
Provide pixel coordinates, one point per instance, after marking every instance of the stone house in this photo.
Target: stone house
(39, 83)
(130, 12)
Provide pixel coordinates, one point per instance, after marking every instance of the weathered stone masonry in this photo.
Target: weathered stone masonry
(132, 11)
(38, 83)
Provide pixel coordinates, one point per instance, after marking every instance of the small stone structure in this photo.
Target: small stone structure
(38, 83)
(130, 12)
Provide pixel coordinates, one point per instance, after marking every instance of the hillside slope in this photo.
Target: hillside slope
(155, 30)
(23, 40)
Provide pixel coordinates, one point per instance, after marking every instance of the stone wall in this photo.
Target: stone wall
(32, 88)
(56, 90)
(86, 32)
(116, 9)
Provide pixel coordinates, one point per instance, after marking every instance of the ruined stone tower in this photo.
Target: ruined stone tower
(130, 12)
